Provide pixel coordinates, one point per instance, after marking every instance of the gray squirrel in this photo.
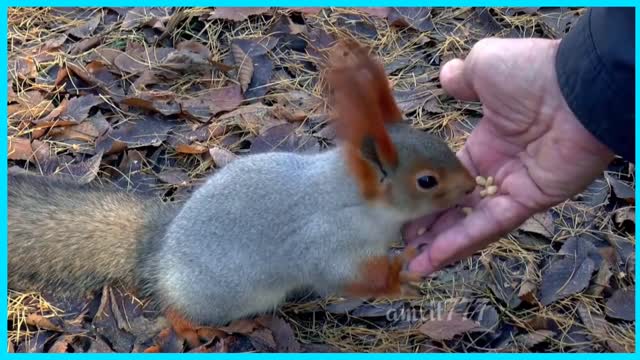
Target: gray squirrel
(259, 228)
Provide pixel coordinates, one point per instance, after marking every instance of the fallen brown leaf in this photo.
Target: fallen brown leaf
(146, 16)
(221, 156)
(137, 133)
(381, 12)
(191, 148)
(52, 118)
(237, 13)
(621, 189)
(24, 67)
(55, 43)
(242, 326)
(212, 102)
(163, 102)
(283, 334)
(418, 18)
(534, 338)
(84, 45)
(84, 172)
(284, 138)
(87, 28)
(448, 327)
(570, 273)
(42, 322)
(245, 66)
(19, 148)
(621, 305)
(174, 177)
(305, 10)
(77, 110)
(541, 224)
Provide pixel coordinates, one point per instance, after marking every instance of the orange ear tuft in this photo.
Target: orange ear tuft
(363, 104)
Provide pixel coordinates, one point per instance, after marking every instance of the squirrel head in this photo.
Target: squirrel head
(394, 164)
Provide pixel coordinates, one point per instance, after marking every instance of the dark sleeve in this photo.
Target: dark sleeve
(595, 65)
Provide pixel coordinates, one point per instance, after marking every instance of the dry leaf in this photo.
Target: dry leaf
(448, 327)
(84, 172)
(191, 148)
(625, 214)
(174, 177)
(42, 322)
(237, 13)
(418, 18)
(19, 148)
(245, 66)
(541, 224)
(621, 189)
(62, 345)
(147, 131)
(344, 306)
(534, 338)
(55, 43)
(52, 118)
(284, 138)
(603, 277)
(212, 102)
(529, 285)
(163, 102)
(77, 110)
(283, 334)
(251, 118)
(570, 274)
(595, 323)
(146, 16)
(84, 45)
(242, 326)
(381, 12)
(24, 67)
(621, 305)
(221, 156)
(305, 10)
(87, 28)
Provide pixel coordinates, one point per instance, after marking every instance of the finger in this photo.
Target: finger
(491, 219)
(455, 82)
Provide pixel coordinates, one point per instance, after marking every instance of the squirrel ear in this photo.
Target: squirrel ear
(363, 105)
(362, 100)
(370, 151)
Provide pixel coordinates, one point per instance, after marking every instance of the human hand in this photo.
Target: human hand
(528, 140)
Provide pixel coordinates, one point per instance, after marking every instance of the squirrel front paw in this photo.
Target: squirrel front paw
(384, 276)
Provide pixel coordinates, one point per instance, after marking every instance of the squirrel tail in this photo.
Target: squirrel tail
(73, 238)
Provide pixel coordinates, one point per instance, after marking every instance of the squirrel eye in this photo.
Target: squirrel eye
(427, 182)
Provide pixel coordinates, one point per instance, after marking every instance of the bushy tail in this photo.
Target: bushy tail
(72, 238)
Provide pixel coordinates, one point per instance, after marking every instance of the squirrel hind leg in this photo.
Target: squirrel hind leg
(183, 328)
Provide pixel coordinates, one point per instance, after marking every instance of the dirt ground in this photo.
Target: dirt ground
(155, 99)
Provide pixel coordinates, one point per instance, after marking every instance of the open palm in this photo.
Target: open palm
(528, 140)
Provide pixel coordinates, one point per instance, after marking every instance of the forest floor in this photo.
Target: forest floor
(155, 99)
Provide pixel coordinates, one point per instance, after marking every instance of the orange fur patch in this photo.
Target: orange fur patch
(183, 328)
(383, 276)
(363, 104)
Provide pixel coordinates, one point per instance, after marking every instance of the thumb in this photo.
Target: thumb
(455, 82)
